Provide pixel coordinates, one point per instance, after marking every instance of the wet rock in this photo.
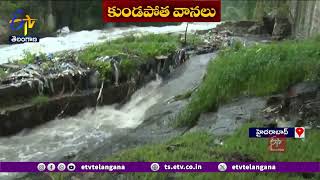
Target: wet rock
(226, 33)
(255, 29)
(241, 28)
(275, 100)
(173, 147)
(205, 49)
(282, 123)
(63, 31)
(231, 116)
(268, 23)
(303, 89)
(202, 32)
(298, 106)
(180, 56)
(282, 28)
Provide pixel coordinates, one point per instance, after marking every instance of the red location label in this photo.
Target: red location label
(299, 131)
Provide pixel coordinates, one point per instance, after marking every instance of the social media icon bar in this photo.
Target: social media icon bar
(222, 167)
(41, 167)
(61, 166)
(299, 132)
(71, 167)
(51, 167)
(155, 167)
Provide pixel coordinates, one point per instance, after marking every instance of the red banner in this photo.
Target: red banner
(161, 10)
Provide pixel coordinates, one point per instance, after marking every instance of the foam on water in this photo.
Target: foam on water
(87, 129)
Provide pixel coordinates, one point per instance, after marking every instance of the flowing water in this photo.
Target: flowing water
(77, 40)
(84, 130)
(62, 137)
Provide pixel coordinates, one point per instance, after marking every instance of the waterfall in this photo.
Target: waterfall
(116, 73)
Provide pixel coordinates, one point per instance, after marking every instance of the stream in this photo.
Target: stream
(145, 118)
(78, 40)
(90, 129)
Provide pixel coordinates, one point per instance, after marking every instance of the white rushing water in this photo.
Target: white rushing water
(77, 40)
(87, 129)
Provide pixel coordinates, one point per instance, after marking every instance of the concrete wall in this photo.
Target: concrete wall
(305, 14)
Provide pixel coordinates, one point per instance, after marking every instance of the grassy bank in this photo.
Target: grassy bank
(237, 147)
(259, 70)
(200, 146)
(132, 50)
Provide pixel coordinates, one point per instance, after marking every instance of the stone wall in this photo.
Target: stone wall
(305, 16)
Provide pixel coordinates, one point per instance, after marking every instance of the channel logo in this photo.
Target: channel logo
(18, 23)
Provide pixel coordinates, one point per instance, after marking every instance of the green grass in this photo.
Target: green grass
(40, 100)
(144, 47)
(30, 58)
(206, 150)
(2, 73)
(199, 146)
(185, 95)
(131, 49)
(234, 146)
(256, 71)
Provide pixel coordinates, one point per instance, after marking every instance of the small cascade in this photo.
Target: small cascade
(116, 73)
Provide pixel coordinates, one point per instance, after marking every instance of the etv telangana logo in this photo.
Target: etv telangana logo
(17, 24)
